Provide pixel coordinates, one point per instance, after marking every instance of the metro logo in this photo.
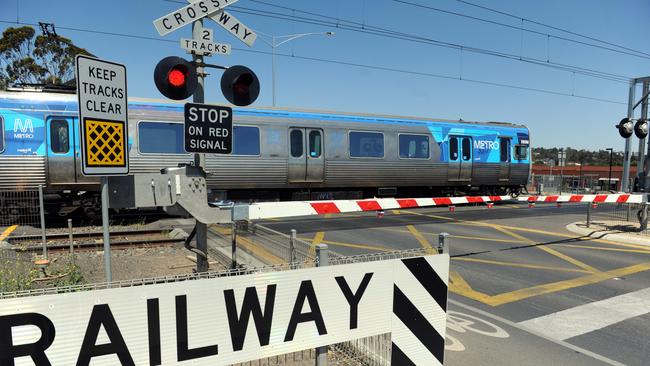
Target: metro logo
(486, 145)
(23, 131)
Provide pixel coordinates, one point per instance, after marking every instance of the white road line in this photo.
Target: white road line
(593, 316)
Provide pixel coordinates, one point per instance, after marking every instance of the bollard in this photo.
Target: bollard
(71, 241)
(292, 249)
(443, 243)
(233, 232)
(589, 206)
(644, 218)
(322, 260)
(380, 213)
(42, 209)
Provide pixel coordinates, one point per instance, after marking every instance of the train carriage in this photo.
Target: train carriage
(277, 154)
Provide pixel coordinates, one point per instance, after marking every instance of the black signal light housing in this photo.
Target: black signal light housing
(175, 78)
(240, 86)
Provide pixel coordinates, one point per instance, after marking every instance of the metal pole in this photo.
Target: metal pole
(292, 248)
(42, 209)
(609, 180)
(71, 241)
(199, 159)
(322, 260)
(233, 261)
(627, 158)
(443, 243)
(273, 67)
(589, 214)
(107, 236)
(641, 176)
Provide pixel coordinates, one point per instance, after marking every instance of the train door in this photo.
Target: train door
(60, 150)
(460, 158)
(504, 159)
(306, 161)
(77, 156)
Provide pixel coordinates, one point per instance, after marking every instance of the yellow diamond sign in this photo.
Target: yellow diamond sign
(105, 141)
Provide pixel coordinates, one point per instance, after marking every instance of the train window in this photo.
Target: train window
(366, 144)
(161, 138)
(296, 143)
(314, 144)
(246, 140)
(467, 149)
(59, 136)
(2, 134)
(504, 147)
(521, 152)
(453, 149)
(414, 146)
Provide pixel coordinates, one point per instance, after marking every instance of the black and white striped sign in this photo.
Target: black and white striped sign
(226, 320)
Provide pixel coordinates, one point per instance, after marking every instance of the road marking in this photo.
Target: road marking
(541, 335)
(7, 232)
(259, 252)
(603, 248)
(522, 265)
(420, 238)
(359, 246)
(318, 238)
(590, 317)
(435, 235)
(565, 257)
(514, 235)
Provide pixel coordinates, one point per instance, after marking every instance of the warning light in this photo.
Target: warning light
(625, 128)
(240, 85)
(175, 78)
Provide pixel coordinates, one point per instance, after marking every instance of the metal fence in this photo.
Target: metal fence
(624, 218)
(286, 246)
(22, 208)
(554, 184)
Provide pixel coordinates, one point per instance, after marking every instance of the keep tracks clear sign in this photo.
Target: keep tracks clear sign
(226, 320)
(103, 116)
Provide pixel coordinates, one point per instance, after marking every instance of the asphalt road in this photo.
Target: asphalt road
(560, 298)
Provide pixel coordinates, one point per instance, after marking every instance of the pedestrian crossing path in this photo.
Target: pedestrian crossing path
(590, 317)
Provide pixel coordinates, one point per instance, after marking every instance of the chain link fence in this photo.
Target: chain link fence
(20, 208)
(623, 218)
(569, 184)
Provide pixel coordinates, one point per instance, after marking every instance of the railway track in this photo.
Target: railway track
(94, 240)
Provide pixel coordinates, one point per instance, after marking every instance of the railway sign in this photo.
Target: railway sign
(101, 90)
(208, 128)
(188, 14)
(204, 47)
(233, 25)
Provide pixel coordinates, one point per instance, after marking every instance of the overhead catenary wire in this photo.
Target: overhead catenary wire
(528, 20)
(344, 63)
(384, 32)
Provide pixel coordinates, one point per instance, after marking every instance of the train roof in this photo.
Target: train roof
(65, 102)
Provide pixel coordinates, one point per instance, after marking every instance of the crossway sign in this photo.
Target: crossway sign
(233, 25)
(101, 89)
(188, 14)
(208, 128)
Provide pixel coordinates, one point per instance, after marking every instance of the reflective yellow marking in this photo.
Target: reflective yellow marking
(8, 232)
(396, 212)
(420, 238)
(565, 257)
(603, 248)
(454, 236)
(250, 246)
(359, 246)
(317, 240)
(514, 235)
(105, 143)
(464, 289)
(521, 265)
(565, 285)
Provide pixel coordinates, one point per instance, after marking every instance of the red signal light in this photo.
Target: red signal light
(176, 77)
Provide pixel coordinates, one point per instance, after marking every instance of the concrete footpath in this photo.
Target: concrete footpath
(600, 230)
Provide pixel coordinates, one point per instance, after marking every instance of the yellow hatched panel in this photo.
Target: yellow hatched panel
(105, 142)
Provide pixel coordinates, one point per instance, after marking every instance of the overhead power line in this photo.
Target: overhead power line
(635, 53)
(345, 63)
(551, 26)
(387, 33)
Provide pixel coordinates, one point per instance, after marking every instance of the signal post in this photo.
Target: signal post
(177, 79)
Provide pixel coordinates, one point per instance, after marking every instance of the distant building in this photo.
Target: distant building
(594, 177)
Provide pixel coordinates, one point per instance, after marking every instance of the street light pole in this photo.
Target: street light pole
(609, 180)
(275, 44)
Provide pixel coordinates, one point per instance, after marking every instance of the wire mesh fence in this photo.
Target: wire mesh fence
(625, 218)
(20, 208)
(555, 184)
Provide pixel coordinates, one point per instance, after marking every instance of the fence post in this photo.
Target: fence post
(443, 243)
(233, 263)
(41, 206)
(71, 240)
(644, 217)
(322, 259)
(589, 214)
(292, 248)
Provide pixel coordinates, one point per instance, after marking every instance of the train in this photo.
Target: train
(277, 154)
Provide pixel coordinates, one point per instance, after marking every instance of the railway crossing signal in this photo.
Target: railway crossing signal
(240, 85)
(641, 128)
(175, 78)
(625, 128)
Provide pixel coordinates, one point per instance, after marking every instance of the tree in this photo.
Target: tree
(46, 59)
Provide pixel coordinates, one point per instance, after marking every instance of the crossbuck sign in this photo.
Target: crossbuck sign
(226, 320)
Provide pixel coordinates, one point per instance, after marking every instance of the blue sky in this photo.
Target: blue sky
(554, 120)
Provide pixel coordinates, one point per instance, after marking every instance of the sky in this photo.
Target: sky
(359, 69)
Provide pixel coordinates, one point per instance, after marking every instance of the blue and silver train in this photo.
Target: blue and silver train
(277, 154)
